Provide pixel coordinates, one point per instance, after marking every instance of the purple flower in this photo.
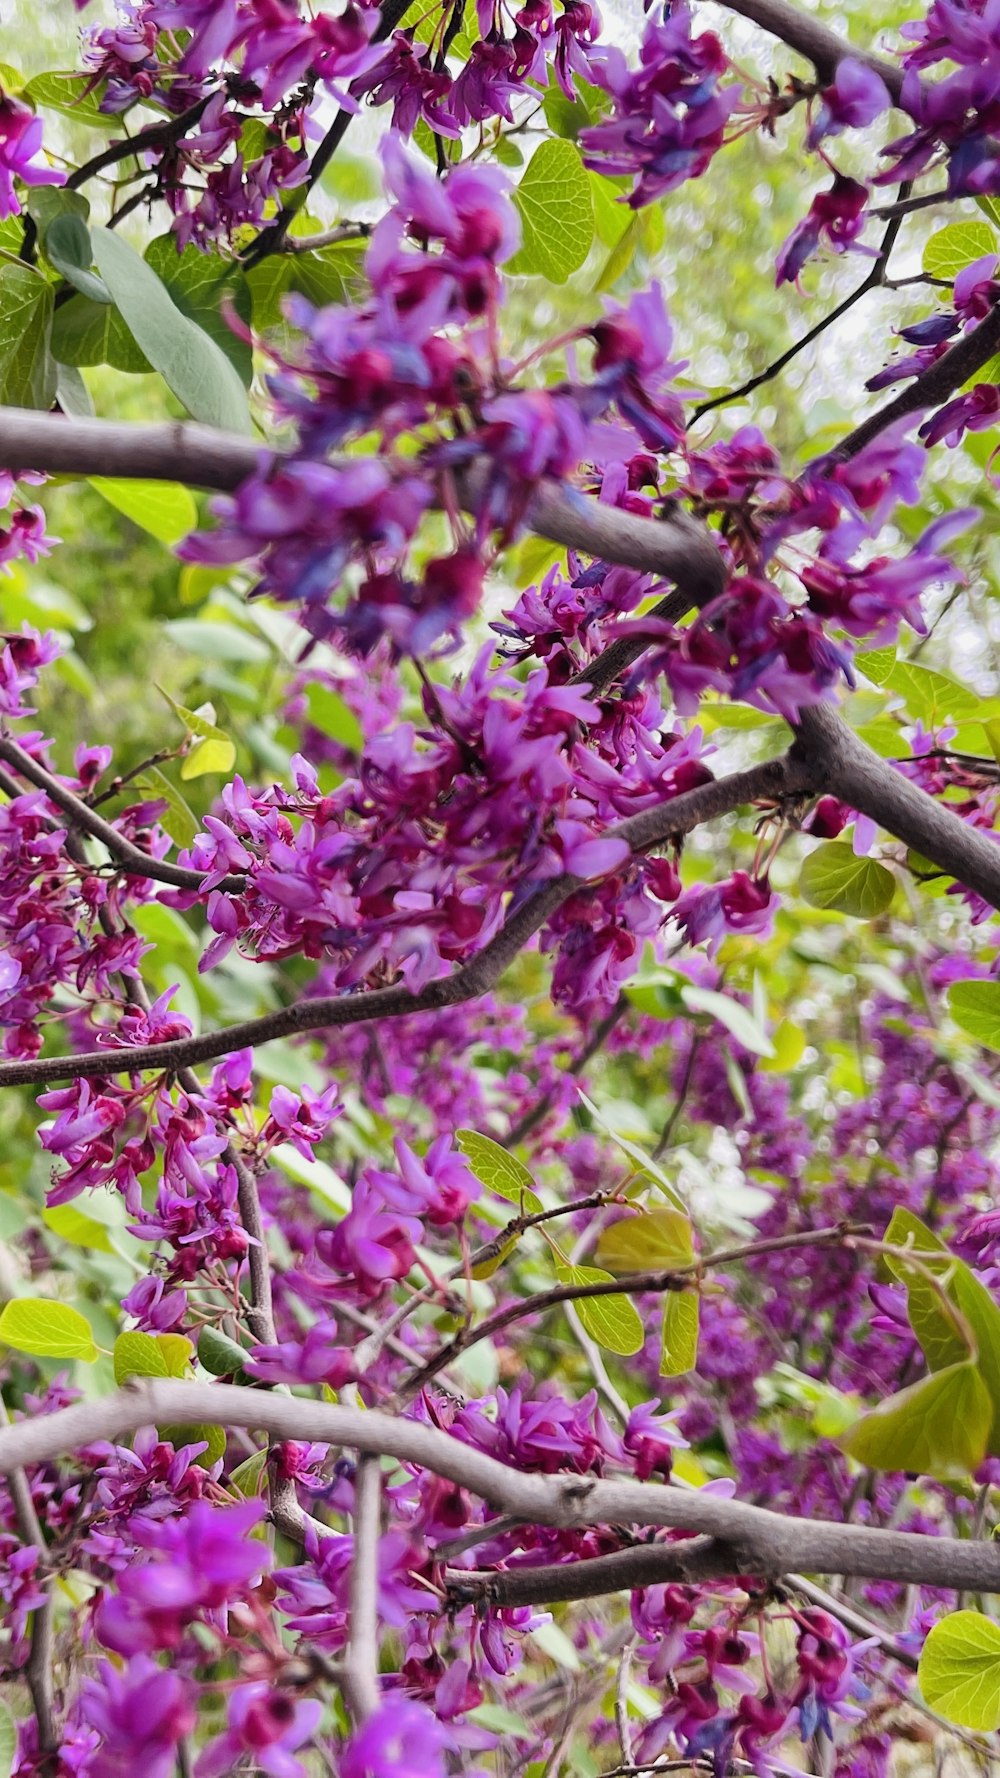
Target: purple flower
(402, 1739)
(141, 1712)
(835, 216)
(20, 141)
(268, 1726)
(973, 412)
(203, 1560)
(856, 98)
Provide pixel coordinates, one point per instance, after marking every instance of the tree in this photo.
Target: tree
(499, 1191)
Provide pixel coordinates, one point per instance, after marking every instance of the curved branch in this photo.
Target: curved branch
(130, 858)
(777, 779)
(820, 46)
(675, 548)
(757, 1538)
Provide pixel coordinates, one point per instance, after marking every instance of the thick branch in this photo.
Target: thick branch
(675, 548)
(757, 1538)
(778, 778)
(820, 46)
(860, 778)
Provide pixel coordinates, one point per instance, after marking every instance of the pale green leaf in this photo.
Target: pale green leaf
(8, 1741)
(557, 213)
(248, 1476)
(681, 1317)
(48, 1330)
(200, 284)
(959, 1671)
(499, 1171)
(192, 365)
(178, 819)
(738, 1021)
(610, 1320)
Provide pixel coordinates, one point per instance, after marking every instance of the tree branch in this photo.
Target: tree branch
(38, 1670)
(820, 46)
(875, 279)
(932, 387)
(359, 1674)
(130, 858)
(627, 1284)
(776, 779)
(757, 1538)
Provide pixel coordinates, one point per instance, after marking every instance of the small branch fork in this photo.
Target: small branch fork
(747, 1540)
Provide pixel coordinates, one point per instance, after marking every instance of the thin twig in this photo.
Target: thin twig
(38, 1670)
(359, 1676)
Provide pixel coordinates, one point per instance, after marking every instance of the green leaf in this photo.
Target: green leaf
(611, 218)
(85, 332)
(333, 718)
(27, 368)
(952, 248)
(48, 1330)
(654, 1240)
(164, 509)
(8, 1741)
(681, 1318)
(178, 819)
(499, 1171)
(212, 641)
(248, 1475)
(68, 248)
(72, 1225)
(199, 283)
(218, 1354)
(643, 1161)
(959, 1671)
(138, 1355)
(833, 877)
(329, 275)
(876, 664)
(213, 1437)
(192, 365)
(76, 96)
(940, 1336)
(610, 1320)
(975, 1006)
(937, 1427)
(151, 1355)
(620, 258)
(72, 393)
(932, 698)
(737, 1020)
(557, 213)
(990, 207)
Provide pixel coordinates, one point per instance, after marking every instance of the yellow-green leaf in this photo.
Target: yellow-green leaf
(557, 213)
(168, 512)
(952, 248)
(610, 1320)
(959, 1671)
(151, 1355)
(681, 1318)
(499, 1171)
(47, 1330)
(654, 1240)
(937, 1427)
(72, 1225)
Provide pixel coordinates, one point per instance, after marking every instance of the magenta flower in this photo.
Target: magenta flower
(20, 142)
(403, 1739)
(856, 97)
(140, 1712)
(268, 1726)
